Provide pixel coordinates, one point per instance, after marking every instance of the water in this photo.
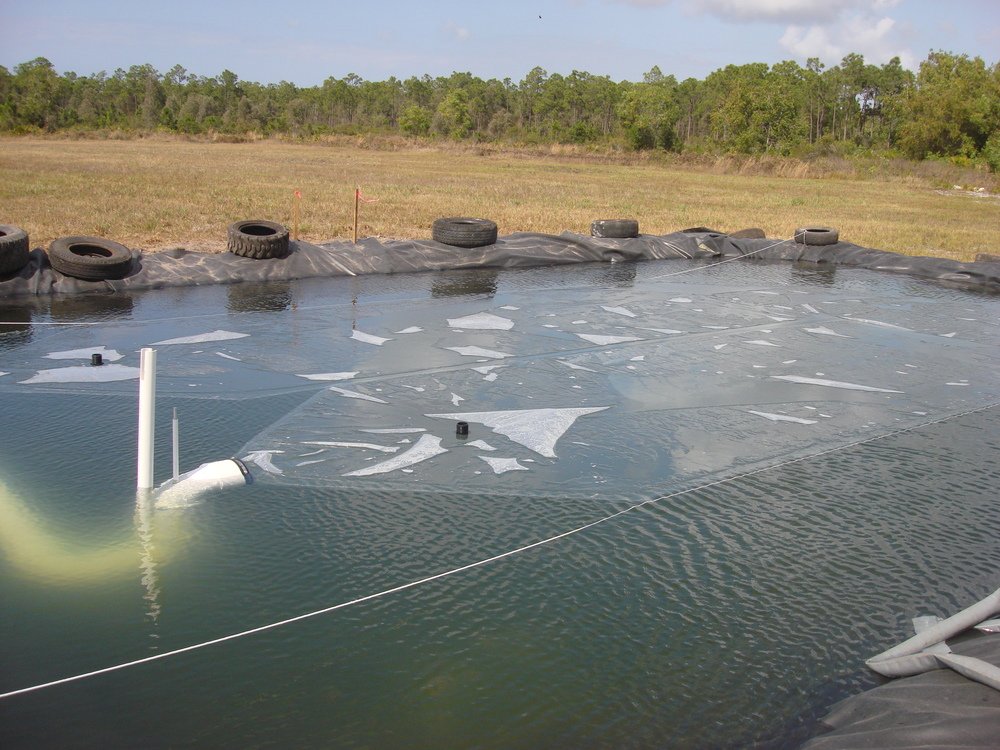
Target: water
(728, 616)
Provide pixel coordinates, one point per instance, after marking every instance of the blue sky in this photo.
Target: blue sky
(308, 41)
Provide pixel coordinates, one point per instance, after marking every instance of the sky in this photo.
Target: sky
(308, 41)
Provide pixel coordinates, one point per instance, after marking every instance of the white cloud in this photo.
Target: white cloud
(771, 11)
(781, 11)
(868, 35)
(459, 32)
(827, 29)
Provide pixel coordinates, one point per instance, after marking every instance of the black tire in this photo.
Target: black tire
(817, 236)
(13, 249)
(90, 258)
(258, 239)
(463, 232)
(614, 228)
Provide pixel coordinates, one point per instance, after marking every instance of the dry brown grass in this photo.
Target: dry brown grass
(155, 193)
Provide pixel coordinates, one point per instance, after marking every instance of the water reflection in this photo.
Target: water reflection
(818, 274)
(621, 274)
(72, 307)
(15, 326)
(268, 296)
(465, 283)
(144, 503)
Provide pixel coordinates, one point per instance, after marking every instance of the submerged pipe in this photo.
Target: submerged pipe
(215, 475)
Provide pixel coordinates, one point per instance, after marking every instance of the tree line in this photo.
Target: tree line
(950, 108)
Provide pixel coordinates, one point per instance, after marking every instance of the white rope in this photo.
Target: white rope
(727, 260)
(480, 563)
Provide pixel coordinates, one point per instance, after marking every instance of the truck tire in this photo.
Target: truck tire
(464, 232)
(817, 236)
(258, 239)
(13, 249)
(614, 228)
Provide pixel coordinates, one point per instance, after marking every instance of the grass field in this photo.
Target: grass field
(156, 193)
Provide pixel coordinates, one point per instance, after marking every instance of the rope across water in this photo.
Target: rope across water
(480, 563)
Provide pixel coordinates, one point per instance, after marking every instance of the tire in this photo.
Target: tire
(464, 232)
(817, 236)
(614, 228)
(13, 249)
(258, 239)
(90, 258)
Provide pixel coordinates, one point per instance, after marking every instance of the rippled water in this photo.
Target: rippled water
(728, 616)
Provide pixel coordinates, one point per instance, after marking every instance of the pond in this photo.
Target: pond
(712, 490)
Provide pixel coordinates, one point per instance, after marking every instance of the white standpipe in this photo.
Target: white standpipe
(177, 446)
(147, 416)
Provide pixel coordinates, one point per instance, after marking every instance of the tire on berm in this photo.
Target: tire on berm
(460, 231)
(90, 258)
(817, 236)
(13, 249)
(258, 239)
(614, 228)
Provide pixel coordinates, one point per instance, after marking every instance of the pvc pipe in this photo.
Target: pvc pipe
(147, 417)
(967, 618)
(230, 472)
(177, 446)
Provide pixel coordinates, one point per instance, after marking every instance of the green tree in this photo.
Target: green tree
(415, 120)
(35, 91)
(953, 110)
(649, 111)
(453, 115)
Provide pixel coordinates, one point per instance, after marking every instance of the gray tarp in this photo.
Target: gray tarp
(938, 709)
(520, 250)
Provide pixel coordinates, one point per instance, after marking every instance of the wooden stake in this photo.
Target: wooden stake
(357, 199)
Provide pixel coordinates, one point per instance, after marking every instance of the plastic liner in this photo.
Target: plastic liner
(520, 250)
(936, 709)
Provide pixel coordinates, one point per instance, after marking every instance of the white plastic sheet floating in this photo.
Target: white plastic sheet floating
(368, 338)
(605, 340)
(833, 384)
(537, 429)
(85, 374)
(426, 447)
(781, 417)
(202, 338)
(108, 355)
(478, 351)
(330, 376)
(482, 322)
(354, 394)
(503, 465)
(653, 400)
